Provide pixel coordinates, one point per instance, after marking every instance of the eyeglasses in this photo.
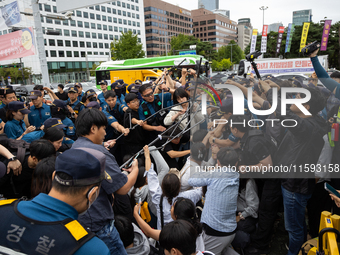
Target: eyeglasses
(148, 95)
(135, 101)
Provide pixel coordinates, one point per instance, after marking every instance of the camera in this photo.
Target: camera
(309, 49)
(251, 56)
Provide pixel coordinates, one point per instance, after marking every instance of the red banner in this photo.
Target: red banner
(17, 44)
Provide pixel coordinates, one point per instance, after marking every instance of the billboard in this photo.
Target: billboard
(10, 15)
(17, 44)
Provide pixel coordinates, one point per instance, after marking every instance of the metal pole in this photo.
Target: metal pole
(22, 72)
(87, 67)
(166, 46)
(40, 43)
(231, 57)
(263, 8)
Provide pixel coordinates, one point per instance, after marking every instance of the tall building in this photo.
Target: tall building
(163, 20)
(209, 4)
(213, 27)
(85, 39)
(302, 16)
(245, 22)
(274, 27)
(244, 32)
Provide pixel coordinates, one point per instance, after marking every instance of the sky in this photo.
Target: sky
(278, 11)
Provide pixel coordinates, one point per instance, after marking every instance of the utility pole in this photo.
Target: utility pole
(263, 8)
(22, 72)
(40, 43)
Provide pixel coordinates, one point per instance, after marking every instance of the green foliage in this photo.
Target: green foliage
(232, 48)
(15, 73)
(222, 65)
(93, 69)
(183, 42)
(126, 47)
(314, 34)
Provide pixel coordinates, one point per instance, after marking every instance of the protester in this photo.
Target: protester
(61, 94)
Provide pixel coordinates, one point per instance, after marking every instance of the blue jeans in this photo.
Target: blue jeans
(110, 236)
(295, 223)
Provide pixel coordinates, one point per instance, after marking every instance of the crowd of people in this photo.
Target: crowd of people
(139, 169)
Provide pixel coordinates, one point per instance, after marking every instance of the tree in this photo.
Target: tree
(93, 69)
(127, 47)
(14, 72)
(222, 65)
(183, 42)
(225, 52)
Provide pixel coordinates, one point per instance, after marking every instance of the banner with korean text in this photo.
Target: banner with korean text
(325, 34)
(304, 35)
(264, 39)
(10, 15)
(279, 40)
(290, 32)
(17, 44)
(253, 40)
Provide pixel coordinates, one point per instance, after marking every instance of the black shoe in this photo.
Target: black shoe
(254, 251)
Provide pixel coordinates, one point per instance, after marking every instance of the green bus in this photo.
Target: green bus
(145, 69)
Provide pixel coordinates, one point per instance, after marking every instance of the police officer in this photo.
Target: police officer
(151, 104)
(15, 127)
(39, 111)
(7, 95)
(80, 90)
(56, 122)
(59, 110)
(119, 88)
(134, 88)
(103, 87)
(73, 104)
(113, 107)
(75, 187)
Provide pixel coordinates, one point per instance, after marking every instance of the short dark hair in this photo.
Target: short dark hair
(61, 86)
(173, 132)
(236, 120)
(180, 93)
(42, 149)
(70, 190)
(9, 115)
(38, 87)
(144, 87)
(125, 229)
(180, 235)
(198, 151)
(199, 135)
(87, 118)
(8, 92)
(227, 156)
(335, 75)
(130, 97)
(42, 176)
(53, 134)
(109, 93)
(317, 101)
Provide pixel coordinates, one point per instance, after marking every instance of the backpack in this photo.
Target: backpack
(270, 141)
(19, 148)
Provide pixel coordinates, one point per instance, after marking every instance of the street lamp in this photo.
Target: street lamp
(263, 8)
(231, 51)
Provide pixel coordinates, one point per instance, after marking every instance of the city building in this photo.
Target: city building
(245, 22)
(209, 4)
(163, 20)
(302, 16)
(274, 27)
(85, 39)
(213, 27)
(223, 12)
(243, 36)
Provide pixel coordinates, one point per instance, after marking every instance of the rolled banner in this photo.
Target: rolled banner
(253, 40)
(279, 40)
(325, 34)
(304, 35)
(264, 39)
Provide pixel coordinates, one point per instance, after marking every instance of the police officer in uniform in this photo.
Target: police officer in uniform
(59, 110)
(119, 88)
(151, 104)
(39, 111)
(48, 223)
(103, 87)
(73, 104)
(80, 90)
